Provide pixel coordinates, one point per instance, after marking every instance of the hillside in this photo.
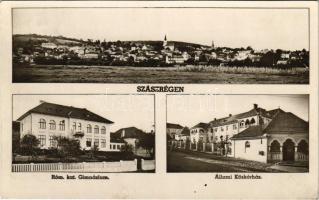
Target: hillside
(60, 40)
(24, 38)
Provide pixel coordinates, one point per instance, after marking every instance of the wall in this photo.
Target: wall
(251, 153)
(31, 125)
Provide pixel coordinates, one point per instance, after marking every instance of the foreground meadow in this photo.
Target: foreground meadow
(184, 74)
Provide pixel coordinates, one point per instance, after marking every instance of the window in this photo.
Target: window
(96, 129)
(79, 126)
(103, 130)
(53, 142)
(42, 140)
(215, 129)
(118, 146)
(247, 123)
(110, 146)
(221, 129)
(62, 125)
(103, 143)
(226, 128)
(242, 124)
(21, 127)
(74, 126)
(234, 127)
(42, 123)
(114, 146)
(88, 142)
(252, 121)
(89, 128)
(52, 125)
(247, 145)
(96, 142)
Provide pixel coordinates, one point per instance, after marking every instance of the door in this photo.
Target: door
(289, 150)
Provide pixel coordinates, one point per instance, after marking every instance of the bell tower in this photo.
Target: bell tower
(165, 41)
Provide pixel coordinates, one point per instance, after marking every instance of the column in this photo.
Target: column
(281, 154)
(204, 147)
(269, 153)
(296, 153)
(212, 146)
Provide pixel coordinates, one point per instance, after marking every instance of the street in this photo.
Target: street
(203, 162)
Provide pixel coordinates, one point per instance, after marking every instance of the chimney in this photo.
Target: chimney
(215, 119)
(255, 106)
(41, 102)
(230, 115)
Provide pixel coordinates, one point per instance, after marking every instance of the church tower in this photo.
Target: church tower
(165, 41)
(213, 45)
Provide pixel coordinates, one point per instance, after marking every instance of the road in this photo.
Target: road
(201, 162)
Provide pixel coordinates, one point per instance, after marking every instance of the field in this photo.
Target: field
(186, 74)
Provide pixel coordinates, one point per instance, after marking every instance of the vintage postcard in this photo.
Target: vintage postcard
(55, 133)
(222, 137)
(159, 99)
(160, 45)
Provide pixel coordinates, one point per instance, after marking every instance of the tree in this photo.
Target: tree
(147, 141)
(67, 147)
(127, 148)
(30, 143)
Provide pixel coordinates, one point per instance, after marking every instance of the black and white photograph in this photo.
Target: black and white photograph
(161, 45)
(83, 133)
(237, 133)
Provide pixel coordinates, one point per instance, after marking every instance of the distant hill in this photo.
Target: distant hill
(61, 40)
(24, 38)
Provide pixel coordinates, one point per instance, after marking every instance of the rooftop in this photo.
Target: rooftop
(66, 111)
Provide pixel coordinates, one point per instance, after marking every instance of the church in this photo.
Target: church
(168, 45)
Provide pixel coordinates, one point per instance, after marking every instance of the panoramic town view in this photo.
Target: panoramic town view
(248, 139)
(59, 137)
(155, 56)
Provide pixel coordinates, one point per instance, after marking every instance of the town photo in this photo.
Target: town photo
(83, 133)
(160, 45)
(237, 133)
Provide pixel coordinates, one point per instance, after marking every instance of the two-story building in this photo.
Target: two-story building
(48, 120)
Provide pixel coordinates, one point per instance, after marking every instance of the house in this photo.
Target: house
(200, 132)
(225, 128)
(173, 129)
(258, 134)
(48, 120)
(132, 137)
(174, 59)
(49, 45)
(285, 138)
(242, 55)
(183, 135)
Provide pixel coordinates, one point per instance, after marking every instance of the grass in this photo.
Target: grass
(178, 75)
(245, 70)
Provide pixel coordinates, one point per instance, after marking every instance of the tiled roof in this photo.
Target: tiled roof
(252, 131)
(130, 132)
(66, 111)
(185, 131)
(175, 126)
(234, 118)
(201, 125)
(286, 122)
(283, 123)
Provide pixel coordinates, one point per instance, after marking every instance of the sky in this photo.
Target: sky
(259, 28)
(204, 108)
(123, 110)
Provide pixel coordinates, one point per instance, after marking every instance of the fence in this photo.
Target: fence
(121, 166)
(148, 164)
